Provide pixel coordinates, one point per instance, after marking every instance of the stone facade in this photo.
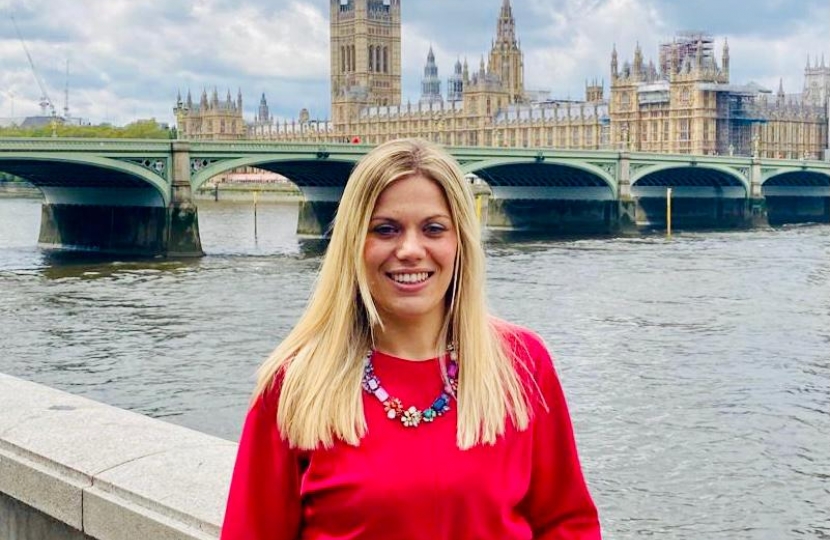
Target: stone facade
(684, 104)
(687, 105)
(210, 119)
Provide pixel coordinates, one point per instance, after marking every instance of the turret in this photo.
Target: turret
(455, 84)
(637, 68)
(614, 64)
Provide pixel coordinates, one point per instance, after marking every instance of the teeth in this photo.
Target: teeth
(410, 278)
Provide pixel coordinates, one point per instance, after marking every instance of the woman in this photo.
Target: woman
(397, 408)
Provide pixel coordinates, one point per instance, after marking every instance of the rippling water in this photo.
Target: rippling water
(697, 369)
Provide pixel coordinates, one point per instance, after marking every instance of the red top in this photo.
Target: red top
(414, 483)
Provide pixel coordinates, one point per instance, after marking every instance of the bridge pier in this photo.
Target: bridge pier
(182, 215)
(126, 221)
(553, 216)
(117, 230)
(757, 215)
(317, 210)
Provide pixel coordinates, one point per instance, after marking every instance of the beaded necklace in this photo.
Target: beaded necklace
(412, 416)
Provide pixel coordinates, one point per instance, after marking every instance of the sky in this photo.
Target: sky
(124, 60)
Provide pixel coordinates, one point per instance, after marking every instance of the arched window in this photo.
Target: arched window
(377, 57)
(354, 58)
(342, 59)
(371, 58)
(386, 59)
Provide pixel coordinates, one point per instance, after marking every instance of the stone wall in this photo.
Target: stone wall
(72, 468)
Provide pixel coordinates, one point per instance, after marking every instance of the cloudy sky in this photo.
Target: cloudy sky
(128, 58)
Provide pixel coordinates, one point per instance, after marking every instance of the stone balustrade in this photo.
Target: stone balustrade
(72, 468)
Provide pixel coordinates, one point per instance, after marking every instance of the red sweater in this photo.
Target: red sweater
(414, 483)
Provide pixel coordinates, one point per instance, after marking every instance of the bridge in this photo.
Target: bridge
(135, 196)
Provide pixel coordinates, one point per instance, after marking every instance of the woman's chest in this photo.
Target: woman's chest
(399, 473)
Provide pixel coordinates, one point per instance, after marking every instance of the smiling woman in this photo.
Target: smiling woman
(467, 437)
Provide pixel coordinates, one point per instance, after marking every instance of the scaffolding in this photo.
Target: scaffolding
(685, 45)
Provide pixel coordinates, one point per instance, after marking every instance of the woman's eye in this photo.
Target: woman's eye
(435, 228)
(384, 230)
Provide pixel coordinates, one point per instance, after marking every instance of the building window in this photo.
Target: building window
(683, 134)
(342, 59)
(386, 59)
(371, 58)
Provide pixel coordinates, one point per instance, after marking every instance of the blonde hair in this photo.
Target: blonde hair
(319, 365)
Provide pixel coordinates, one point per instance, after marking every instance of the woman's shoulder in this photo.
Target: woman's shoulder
(266, 399)
(524, 343)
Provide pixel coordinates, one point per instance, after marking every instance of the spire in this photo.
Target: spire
(725, 59)
(780, 95)
(430, 84)
(263, 114)
(614, 64)
(506, 33)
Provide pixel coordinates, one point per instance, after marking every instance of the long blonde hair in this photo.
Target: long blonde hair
(319, 365)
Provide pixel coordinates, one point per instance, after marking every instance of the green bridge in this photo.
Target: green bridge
(135, 196)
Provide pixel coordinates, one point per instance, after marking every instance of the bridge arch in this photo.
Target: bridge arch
(57, 171)
(302, 170)
(797, 196)
(691, 179)
(566, 176)
(798, 178)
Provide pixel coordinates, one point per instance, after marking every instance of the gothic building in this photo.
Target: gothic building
(685, 103)
(211, 118)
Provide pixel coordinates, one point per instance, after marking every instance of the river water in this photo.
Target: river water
(697, 369)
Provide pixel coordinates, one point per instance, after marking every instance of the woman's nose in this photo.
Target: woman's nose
(411, 245)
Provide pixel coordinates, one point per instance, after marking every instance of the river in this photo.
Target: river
(697, 368)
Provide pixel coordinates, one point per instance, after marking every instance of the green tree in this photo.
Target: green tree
(141, 129)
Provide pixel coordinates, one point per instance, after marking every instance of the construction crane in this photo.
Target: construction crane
(45, 101)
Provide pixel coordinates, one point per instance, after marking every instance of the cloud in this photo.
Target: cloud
(128, 58)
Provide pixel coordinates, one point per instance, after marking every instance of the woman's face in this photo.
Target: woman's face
(410, 251)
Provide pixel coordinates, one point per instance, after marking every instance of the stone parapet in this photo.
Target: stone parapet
(103, 472)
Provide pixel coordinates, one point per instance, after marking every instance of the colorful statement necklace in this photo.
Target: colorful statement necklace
(412, 417)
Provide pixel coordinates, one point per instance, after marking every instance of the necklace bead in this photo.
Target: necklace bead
(411, 416)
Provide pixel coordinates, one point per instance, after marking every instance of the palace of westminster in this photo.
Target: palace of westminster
(684, 104)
